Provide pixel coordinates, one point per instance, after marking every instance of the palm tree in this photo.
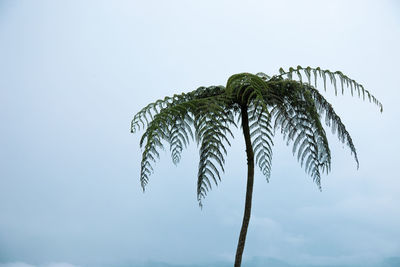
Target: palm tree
(262, 105)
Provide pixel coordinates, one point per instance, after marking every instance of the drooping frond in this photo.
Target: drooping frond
(333, 121)
(261, 134)
(159, 129)
(211, 129)
(209, 111)
(180, 133)
(298, 119)
(172, 124)
(334, 77)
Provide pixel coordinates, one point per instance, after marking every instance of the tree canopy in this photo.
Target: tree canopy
(287, 102)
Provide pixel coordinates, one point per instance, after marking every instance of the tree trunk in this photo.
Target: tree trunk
(249, 191)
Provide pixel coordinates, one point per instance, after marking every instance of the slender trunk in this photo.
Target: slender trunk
(249, 191)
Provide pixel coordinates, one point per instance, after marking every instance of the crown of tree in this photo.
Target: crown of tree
(263, 105)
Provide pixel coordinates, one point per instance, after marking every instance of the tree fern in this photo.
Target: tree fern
(287, 102)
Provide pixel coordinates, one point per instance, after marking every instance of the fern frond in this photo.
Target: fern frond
(141, 119)
(171, 124)
(333, 121)
(345, 81)
(180, 133)
(299, 122)
(261, 134)
(212, 129)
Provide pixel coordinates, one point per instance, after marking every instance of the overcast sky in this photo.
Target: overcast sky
(73, 74)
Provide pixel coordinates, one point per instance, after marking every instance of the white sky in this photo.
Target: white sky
(72, 75)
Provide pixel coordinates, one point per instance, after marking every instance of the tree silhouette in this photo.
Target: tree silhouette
(262, 105)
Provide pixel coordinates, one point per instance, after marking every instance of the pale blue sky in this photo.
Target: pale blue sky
(72, 75)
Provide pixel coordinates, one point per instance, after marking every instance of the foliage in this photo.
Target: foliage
(278, 103)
